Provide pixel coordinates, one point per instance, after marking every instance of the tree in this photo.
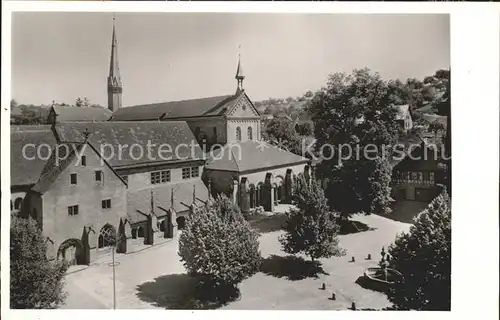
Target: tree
(13, 103)
(218, 247)
(346, 143)
(308, 94)
(82, 102)
(224, 206)
(35, 282)
(362, 186)
(423, 256)
(281, 132)
(311, 228)
(436, 127)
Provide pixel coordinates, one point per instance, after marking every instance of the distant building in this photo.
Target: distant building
(403, 117)
(417, 172)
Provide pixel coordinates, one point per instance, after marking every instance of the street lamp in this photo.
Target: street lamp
(111, 238)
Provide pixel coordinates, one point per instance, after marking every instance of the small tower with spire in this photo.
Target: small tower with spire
(114, 79)
(239, 75)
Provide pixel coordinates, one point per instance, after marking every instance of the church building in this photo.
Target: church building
(113, 191)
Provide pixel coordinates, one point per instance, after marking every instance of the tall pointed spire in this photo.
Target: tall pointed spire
(239, 73)
(114, 79)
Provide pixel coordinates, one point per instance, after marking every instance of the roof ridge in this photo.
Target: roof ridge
(172, 101)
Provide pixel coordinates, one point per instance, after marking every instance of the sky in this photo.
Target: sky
(59, 56)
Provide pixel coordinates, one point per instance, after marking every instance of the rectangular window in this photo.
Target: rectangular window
(155, 177)
(160, 177)
(84, 161)
(165, 176)
(72, 210)
(106, 204)
(73, 179)
(98, 176)
(186, 173)
(195, 172)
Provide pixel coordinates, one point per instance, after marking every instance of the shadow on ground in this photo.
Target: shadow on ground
(291, 267)
(405, 211)
(366, 283)
(265, 224)
(181, 291)
(353, 226)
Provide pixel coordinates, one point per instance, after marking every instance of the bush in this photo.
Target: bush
(35, 282)
(423, 256)
(219, 246)
(311, 228)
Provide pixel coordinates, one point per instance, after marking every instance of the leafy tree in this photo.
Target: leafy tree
(436, 127)
(336, 112)
(370, 194)
(311, 228)
(304, 129)
(220, 248)
(423, 256)
(82, 102)
(224, 206)
(281, 132)
(35, 282)
(308, 94)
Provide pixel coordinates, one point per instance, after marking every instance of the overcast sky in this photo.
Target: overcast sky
(165, 56)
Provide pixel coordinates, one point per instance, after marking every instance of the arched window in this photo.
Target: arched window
(238, 134)
(249, 133)
(18, 203)
(107, 236)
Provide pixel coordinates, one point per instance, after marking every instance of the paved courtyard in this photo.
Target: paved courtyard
(155, 277)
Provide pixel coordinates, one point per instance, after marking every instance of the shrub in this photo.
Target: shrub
(423, 256)
(219, 246)
(35, 282)
(311, 228)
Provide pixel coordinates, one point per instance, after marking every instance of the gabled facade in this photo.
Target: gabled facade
(75, 198)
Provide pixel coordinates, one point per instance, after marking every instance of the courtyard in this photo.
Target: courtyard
(155, 277)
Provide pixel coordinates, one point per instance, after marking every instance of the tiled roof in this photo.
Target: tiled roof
(409, 144)
(52, 169)
(254, 155)
(25, 169)
(108, 136)
(88, 114)
(176, 109)
(30, 127)
(183, 198)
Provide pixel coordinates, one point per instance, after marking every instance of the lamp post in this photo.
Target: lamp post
(110, 237)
